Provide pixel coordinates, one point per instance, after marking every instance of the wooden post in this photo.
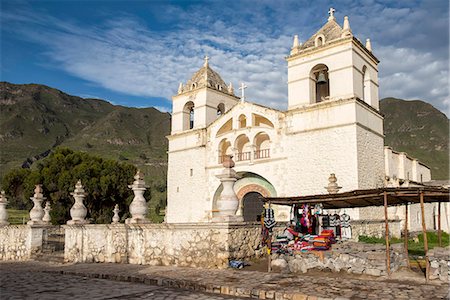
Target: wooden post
(439, 225)
(425, 240)
(405, 235)
(269, 249)
(388, 254)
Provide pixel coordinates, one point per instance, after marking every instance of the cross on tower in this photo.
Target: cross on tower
(242, 87)
(331, 13)
(206, 60)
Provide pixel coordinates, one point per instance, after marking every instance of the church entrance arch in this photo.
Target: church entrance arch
(252, 206)
(249, 188)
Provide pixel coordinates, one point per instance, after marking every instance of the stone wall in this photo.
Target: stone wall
(375, 228)
(351, 257)
(20, 242)
(439, 264)
(208, 245)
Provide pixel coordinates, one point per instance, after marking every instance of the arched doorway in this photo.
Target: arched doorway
(253, 206)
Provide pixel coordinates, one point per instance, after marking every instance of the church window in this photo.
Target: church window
(319, 41)
(242, 121)
(227, 127)
(220, 109)
(193, 86)
(321, 87)
(188, 116)
(262, 145)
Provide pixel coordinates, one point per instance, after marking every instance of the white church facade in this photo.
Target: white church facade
(332, 125)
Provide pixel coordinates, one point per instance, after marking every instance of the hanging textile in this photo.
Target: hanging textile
(269, 218)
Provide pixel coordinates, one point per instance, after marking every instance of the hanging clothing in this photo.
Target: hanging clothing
(269, 218)
(345, 226)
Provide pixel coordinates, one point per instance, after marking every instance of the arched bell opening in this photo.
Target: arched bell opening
(321, 86)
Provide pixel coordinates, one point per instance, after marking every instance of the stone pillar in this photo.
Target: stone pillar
(228, 203)
(116, 218)
(37, 213)
(78, 211)
(47, 219)
(3, 212)
(138, 207)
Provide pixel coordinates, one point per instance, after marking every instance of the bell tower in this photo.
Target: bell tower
(201, 100)
(331, 65)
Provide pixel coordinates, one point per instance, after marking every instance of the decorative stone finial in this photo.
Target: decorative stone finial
(368, 45)
(296, 42)
(242, 88)
(78, 211)
(346, 31)
(180, 88)
(46, 218)
(3, 211)
(333, 187)
(138, 207)
(231, 88)
(228, 205)
(331, 13)
(116, 218)
(206, 61)
(37, 213)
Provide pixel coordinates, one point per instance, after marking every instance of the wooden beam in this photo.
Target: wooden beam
(405, 236)
(388, 255)
(425, 240)
(439, 225)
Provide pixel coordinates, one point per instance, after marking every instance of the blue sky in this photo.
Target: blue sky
(135, 53)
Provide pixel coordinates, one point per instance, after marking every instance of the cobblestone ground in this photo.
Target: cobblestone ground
(26, 281)
(231, 282)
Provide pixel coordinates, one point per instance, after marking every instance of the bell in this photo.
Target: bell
(321, 78)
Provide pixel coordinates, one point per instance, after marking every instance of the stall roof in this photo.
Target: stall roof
(372, 197)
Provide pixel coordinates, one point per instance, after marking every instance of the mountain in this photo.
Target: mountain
(419, 129)
(34, 119)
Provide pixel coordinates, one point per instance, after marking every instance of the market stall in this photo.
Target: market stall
(364, 198)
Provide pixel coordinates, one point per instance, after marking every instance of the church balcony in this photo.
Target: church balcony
(263, 153)
(241, 156)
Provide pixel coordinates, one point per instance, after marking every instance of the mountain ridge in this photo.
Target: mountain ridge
(36, 118)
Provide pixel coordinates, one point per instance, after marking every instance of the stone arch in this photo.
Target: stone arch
(319, 40)
(188, 115)
(224, 149)
(243, 146)
(242, 121)
(321, 83)
(262, 145)
(248, 183)
(220, 109)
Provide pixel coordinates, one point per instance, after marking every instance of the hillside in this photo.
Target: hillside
(35, 119)
(420, 130)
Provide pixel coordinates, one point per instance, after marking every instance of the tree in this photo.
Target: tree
(105, 182)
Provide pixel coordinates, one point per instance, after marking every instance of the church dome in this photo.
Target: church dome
(206, 77)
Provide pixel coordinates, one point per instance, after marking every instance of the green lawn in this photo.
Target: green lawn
(414, 248)
(17, 217)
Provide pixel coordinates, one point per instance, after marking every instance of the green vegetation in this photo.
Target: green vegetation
(419, 129)
(414, 247)
(17, 216)
(105, 182)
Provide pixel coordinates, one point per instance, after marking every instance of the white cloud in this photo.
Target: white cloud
(125, 55)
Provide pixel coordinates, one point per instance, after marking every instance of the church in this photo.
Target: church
(332, 125)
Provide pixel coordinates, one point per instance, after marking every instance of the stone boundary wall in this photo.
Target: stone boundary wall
(351, 257)
(207, 245)
(439, 263)
(375, 228)
(20, 242)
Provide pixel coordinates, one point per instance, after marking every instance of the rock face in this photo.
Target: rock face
(191, 245)
(357, 258)
(439, 264)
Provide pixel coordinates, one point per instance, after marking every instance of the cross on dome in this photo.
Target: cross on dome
(331, 13)
(242, 87)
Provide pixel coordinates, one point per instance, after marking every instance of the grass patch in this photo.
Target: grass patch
(17, 216)
(414, 248)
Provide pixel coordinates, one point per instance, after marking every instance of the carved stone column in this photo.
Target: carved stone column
(37, 213)
(3, 212)
(78, 211)
(138, 207)
(332, 187)
(228, 203)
